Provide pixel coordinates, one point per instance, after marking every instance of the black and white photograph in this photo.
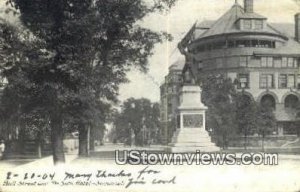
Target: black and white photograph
(150, 95)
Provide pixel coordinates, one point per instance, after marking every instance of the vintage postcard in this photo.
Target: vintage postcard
(150, 95)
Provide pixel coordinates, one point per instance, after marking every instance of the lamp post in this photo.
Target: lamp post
(143, 131)
(132, 134)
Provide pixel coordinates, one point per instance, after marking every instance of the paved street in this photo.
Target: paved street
(106, 153)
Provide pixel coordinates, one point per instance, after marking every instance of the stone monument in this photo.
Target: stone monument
(190, 134)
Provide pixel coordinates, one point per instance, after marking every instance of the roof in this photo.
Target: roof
(287, 29)
(205, 24)
(202, 27)
(251, 16)
(178, 65)
(227, 24)
(291, 46)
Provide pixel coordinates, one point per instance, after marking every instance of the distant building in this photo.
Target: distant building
(262, 59)
(169, 98)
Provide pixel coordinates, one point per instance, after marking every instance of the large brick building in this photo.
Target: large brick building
(261, 58)
(169, 97)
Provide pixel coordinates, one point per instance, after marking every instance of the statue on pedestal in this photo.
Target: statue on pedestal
(190, 134)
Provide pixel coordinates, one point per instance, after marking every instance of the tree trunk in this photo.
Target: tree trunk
(57, 136)
(263, 142)
(39, 141)
(83, 141)
(245, 140)
(92, 138)
(223, 141)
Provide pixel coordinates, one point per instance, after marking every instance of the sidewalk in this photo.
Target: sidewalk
(121, 146)
(48, 161)
(27, 164)
(11, 163)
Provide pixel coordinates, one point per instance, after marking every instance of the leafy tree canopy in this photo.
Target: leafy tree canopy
(74, 56)
(135, 115)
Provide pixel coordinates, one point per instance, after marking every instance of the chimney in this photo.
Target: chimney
(248, 6)
(297, 27)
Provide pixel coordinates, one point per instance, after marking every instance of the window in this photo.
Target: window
(266, 44)
(270, 62)
(291, 81)
(243, 61)
(287, 81)
(268, 101)
(282, 81)
(219, 45)
(248, 43)
(295, 62)
(247, 24)
(277, 62)
(284, 62)
(231, 44)
(235, 44)
(291, 101)
(267, 81)
(240, 43)
(243, 81)
(258, 24)
(255, 43)
(290, 62)
(273, 44)
(263, 62)
(266, 61)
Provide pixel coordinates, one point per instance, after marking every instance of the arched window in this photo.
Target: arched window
(268, 101)
(291, 101)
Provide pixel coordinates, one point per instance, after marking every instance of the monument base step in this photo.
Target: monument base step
(192, 149)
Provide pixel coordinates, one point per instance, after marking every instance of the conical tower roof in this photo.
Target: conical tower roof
(227, 23)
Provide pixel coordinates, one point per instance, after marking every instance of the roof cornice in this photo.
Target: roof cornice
(241, 33)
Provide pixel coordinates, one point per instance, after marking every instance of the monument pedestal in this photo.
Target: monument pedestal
(190, 134)
(190, 141)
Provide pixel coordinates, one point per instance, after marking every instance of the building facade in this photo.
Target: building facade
(261, 58)
(169, 97)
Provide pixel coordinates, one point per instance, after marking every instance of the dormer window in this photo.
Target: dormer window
(252, 24)
(258, 24)
(247, 24)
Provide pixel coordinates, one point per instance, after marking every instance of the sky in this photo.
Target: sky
(177, 22)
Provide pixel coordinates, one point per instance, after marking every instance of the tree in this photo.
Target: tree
(17, 47)
(89, 47)
(266, 122)
(297, 123)
(246, 116)
(219, 96)
(155, 124)
(139, 116)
